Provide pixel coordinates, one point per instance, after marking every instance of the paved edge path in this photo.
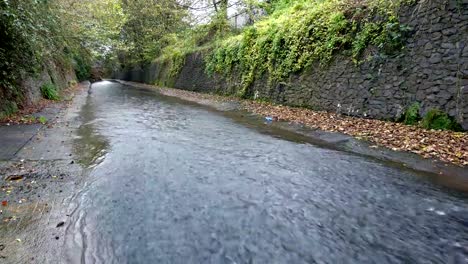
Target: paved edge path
(13, 137)
(47, 176)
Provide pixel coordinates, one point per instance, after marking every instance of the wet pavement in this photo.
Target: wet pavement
(169, 181)
(38, 177)
(178, 183)
(14, 138)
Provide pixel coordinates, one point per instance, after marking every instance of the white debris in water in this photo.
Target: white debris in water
(431, 209)
(456, 244)
(440, 213)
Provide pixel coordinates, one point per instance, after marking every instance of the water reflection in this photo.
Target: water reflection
(89, 145)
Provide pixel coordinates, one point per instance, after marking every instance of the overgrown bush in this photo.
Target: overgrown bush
(411, 116)
(439, 120)
(49, 91)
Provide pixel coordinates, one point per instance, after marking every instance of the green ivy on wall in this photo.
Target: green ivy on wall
(304, 32)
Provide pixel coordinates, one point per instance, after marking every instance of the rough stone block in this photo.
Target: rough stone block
(449, 31)
(428, 46)
(435, 58)
(465, 51)
(436, 36)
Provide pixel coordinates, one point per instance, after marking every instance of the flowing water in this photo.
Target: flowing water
(174, 182)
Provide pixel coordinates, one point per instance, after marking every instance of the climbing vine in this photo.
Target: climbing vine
(301, 33)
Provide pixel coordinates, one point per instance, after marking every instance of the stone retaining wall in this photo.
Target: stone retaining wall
(432, 70)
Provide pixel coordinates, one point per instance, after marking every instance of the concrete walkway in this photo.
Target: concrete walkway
(13, 137)
(39, 176)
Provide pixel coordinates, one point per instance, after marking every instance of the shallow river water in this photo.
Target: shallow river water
(174, 182)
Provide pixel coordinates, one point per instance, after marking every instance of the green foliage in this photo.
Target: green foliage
(388, 36)
(82, 68)
(194, 39)
(8, 108)
(28, 119)
(146, 24)
(49, 91)
(35, 34)
(72, 83)
(180, 44)
(177, 62)
(20, 28)
(300, 33)
(439, 120)
(42, 120)
(93, 30)
(411, 116)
